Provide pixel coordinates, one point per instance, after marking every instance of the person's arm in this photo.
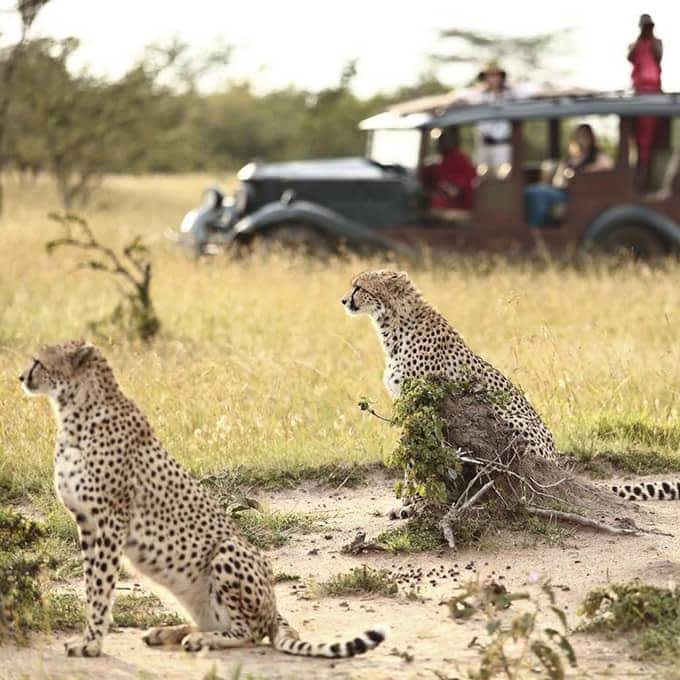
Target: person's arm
(560, 179)
(631, 51)
(449, 189)
(657, 46)
(602, 162)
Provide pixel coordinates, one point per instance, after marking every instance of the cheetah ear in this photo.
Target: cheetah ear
(400, 281)
(81, 356)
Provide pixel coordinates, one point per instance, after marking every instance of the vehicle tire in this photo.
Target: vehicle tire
(632, 239)
(298, 238)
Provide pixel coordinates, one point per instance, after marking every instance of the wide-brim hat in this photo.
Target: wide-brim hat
(492, 67)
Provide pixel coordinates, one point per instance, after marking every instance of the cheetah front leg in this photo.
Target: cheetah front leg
(87, 530)
(102, 564)
(406, 509)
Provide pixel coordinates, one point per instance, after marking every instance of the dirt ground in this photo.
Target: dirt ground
(438, 645)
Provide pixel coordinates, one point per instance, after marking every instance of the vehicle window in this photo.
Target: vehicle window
(535, 135)
(395, 147)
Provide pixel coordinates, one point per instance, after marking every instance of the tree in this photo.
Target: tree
(523, 54)
(28, 11)
(176, 64)
(79, 125)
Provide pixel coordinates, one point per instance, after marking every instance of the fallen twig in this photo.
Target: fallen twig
(582, 521)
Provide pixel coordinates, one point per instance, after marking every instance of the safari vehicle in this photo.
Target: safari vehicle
(378, 200)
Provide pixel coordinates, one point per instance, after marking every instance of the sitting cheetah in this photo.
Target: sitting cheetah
(130, 497)
(419, 342)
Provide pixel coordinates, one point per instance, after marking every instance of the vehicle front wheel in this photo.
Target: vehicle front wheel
(631, 239)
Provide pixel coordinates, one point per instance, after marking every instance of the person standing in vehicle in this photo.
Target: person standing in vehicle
(494, 137)
(645, 54)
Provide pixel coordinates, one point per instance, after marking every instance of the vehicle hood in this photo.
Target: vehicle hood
(322, 169)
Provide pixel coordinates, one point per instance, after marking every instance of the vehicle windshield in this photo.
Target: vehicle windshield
(394, 147)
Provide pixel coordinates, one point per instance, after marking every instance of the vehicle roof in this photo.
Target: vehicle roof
(560, 106)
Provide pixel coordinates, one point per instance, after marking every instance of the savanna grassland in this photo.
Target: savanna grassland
(257, 371)
(258, 366)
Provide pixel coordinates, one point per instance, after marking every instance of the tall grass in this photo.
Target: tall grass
(258, 365)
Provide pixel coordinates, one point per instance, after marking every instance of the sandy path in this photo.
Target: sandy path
(421, 628)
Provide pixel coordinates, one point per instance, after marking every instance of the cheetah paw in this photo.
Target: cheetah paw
(165, 635)
(403, 512)
(192, 642)
(83, 647)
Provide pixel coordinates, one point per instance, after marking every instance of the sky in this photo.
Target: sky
(306, 42)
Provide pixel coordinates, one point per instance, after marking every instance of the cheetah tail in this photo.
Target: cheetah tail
(648, 491)
(369, 639)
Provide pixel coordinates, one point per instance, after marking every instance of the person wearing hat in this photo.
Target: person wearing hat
(493, 147)
(645, 54)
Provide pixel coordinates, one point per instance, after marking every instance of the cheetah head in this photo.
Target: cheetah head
(380, 291)
(54, 368)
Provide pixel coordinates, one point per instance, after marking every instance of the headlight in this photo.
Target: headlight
(246, 172)
(188, 222)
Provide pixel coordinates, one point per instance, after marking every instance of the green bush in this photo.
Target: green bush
(422, 449)
(650, 613)
(361, 581)
(21, 564)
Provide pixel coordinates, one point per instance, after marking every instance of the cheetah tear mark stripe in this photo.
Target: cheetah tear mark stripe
(648, 491)
(339, 650)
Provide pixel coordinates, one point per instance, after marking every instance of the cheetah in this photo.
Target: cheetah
(130, 498)
(418, 342)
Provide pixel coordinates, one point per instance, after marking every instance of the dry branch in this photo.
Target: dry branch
(131, 269)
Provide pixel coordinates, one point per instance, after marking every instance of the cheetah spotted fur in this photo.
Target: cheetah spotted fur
(129, 497)
(419, 342)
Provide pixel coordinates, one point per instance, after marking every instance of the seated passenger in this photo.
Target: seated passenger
(543, 201)
(449, 183)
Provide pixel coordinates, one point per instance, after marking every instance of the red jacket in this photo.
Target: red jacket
(646, 68)
(454, 169)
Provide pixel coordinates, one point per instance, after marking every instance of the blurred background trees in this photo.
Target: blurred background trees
(10, 59)
(176, 110)
(534, 57)
(159, 116)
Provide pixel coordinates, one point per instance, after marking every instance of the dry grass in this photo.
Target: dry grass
(258, 365)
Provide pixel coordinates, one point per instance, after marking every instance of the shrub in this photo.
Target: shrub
(21, 564)
(650, 613)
